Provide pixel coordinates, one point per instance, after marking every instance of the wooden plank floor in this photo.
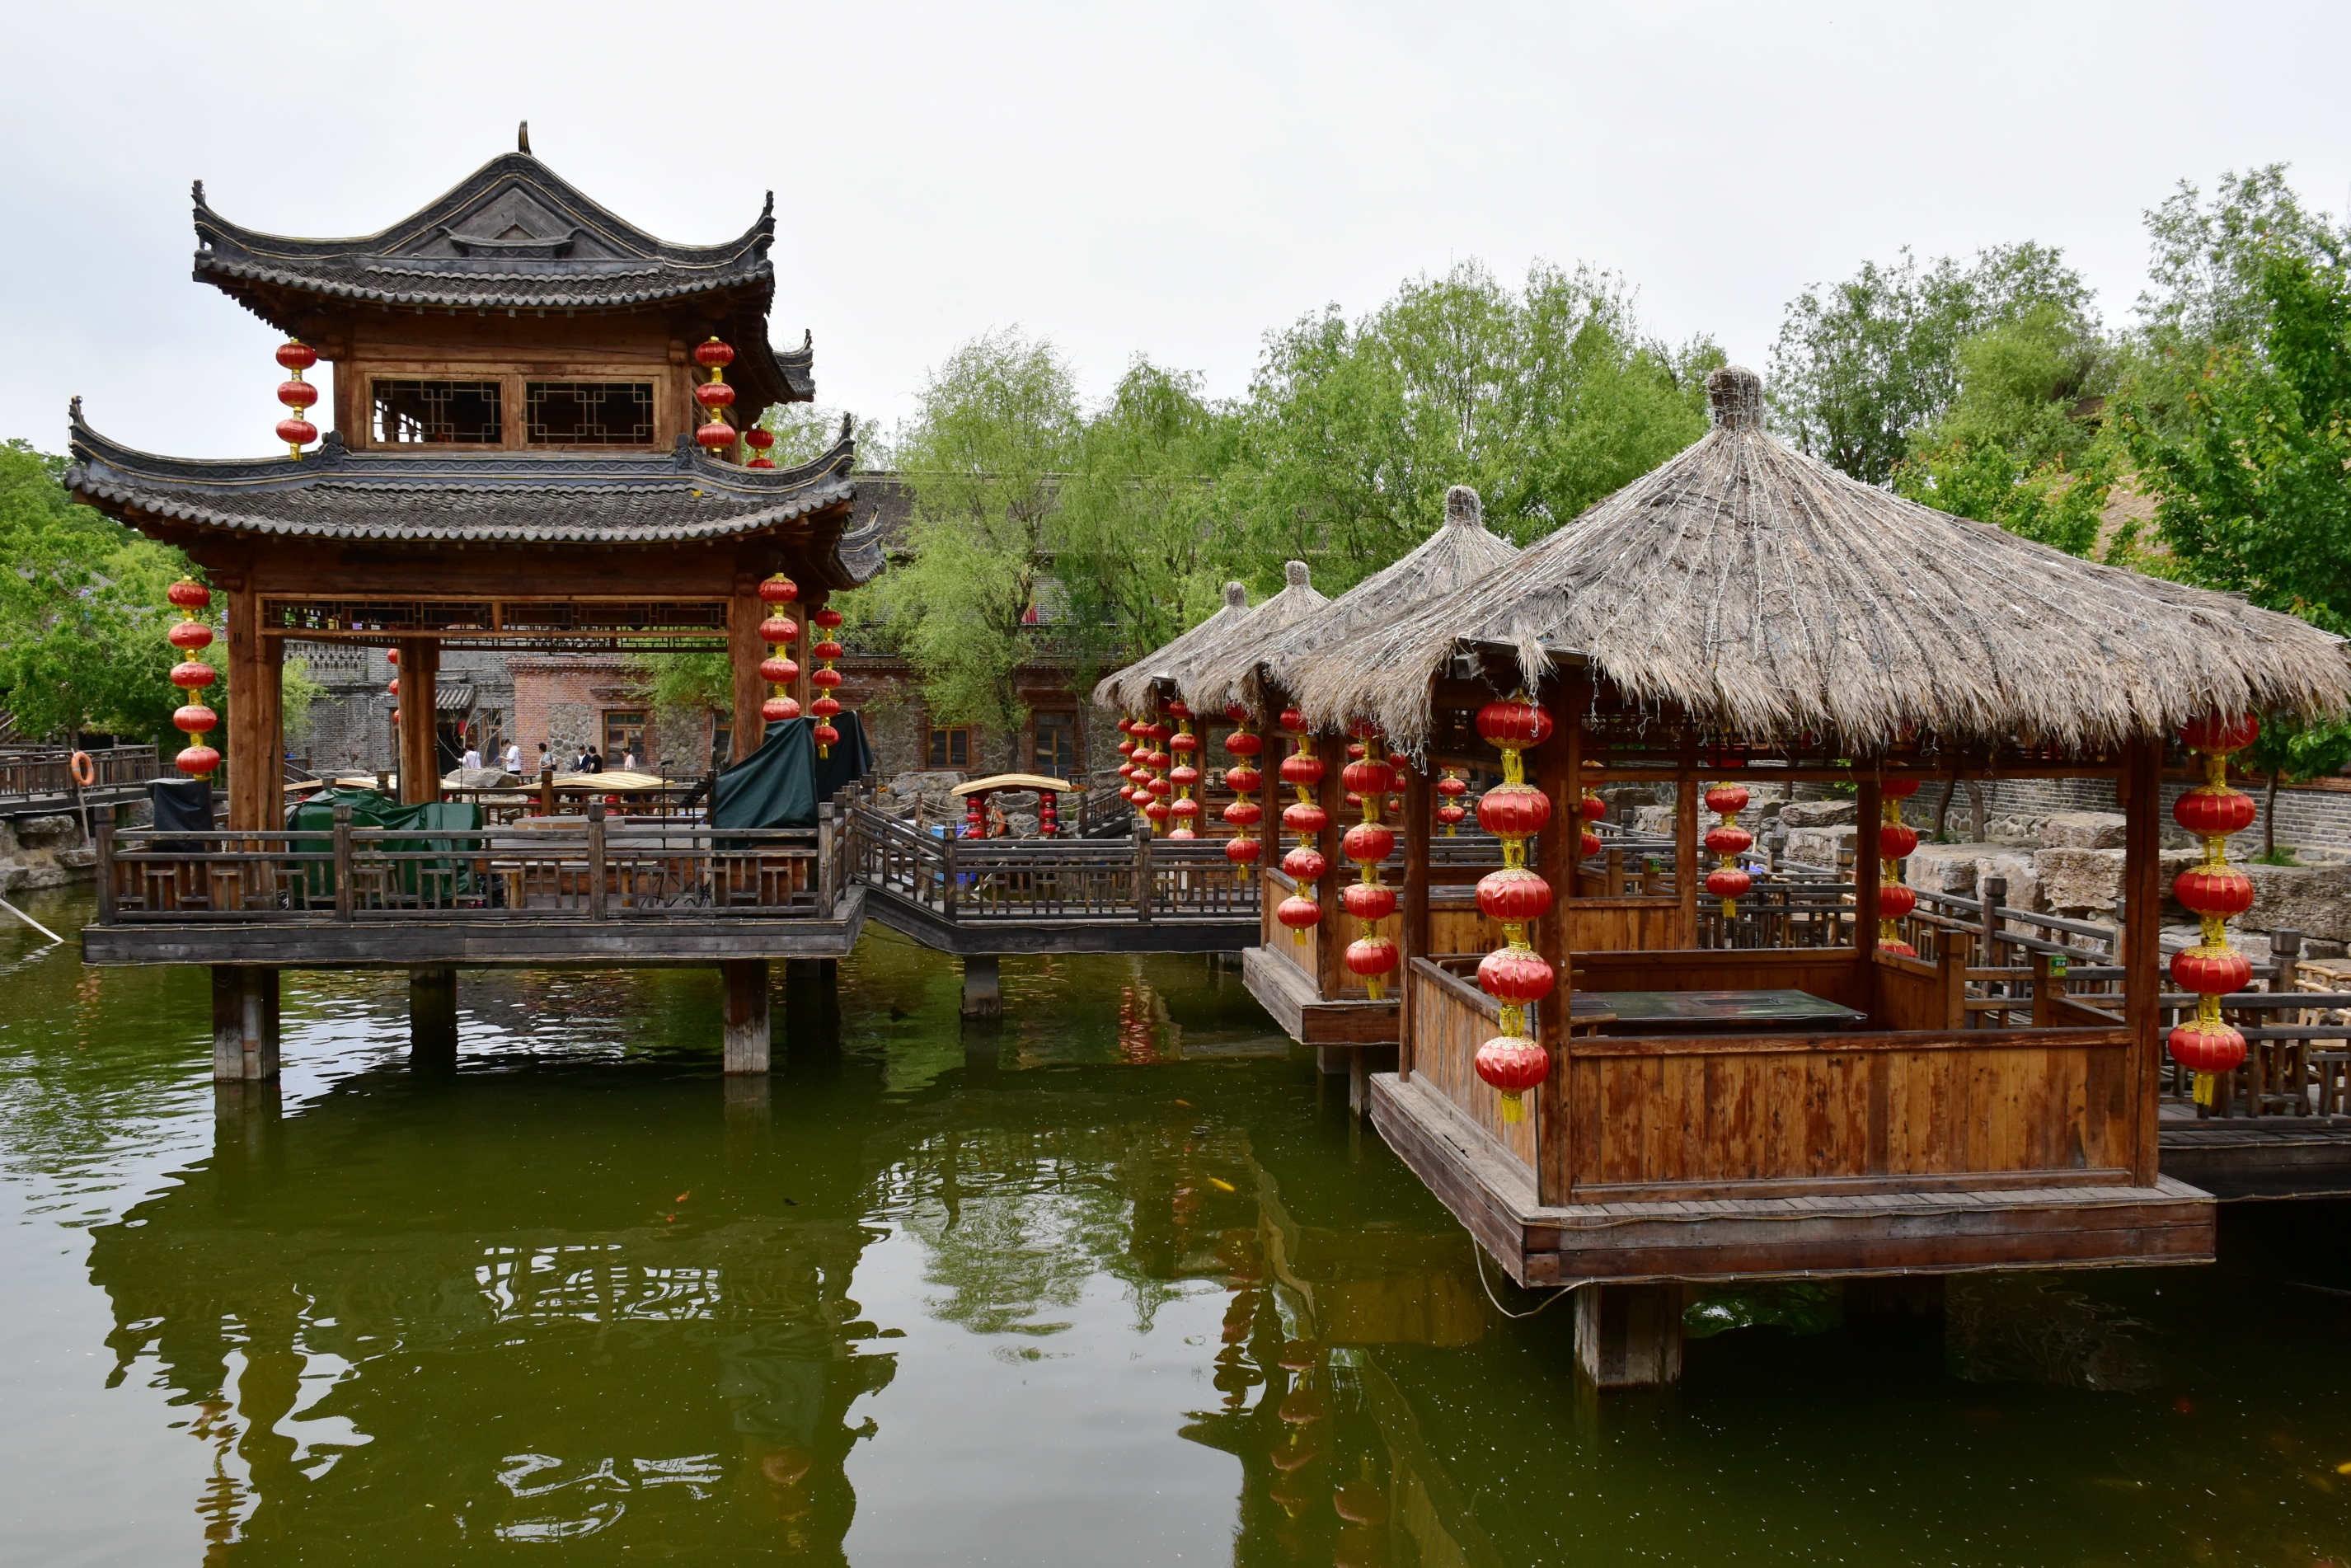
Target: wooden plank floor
(1283, 989)
(2259, 1159)
(1848, 1234)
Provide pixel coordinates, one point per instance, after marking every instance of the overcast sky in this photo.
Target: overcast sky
(1165, 181)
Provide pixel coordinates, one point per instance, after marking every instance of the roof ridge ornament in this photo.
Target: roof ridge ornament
(1237, 596)
(1734, 397)
(522, 139)
(1294, 573)
(1462, 508)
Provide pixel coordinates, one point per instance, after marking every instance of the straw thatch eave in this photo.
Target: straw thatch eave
(1130, 690)
(1461, 551)
(1764, 593)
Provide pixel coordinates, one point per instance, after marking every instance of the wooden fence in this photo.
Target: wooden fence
(1064, 882)
(49, 771)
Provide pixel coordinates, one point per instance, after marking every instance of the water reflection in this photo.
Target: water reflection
(1115, 1281)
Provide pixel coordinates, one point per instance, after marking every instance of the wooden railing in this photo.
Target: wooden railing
(30, 775)
(595, 870)
(1048, 881)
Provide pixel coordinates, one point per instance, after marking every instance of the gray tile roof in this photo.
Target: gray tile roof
(492, 498)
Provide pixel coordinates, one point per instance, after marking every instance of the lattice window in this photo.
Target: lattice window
(466, 413)
(951, 747)
(588, 414)
(1056, 751)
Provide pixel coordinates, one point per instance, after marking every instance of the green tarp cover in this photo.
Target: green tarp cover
(370, 809)
(779, 785)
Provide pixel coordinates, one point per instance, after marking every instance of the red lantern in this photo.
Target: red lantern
(715, 395)
(296, 433)
(1244, 743)
(297, 394)
(1451, 816)
(190, 635)
(1513, 811)
(775, 710)
(392, 657)
(392, 687)
(1301, 769)
(1368, 843)
(193, 675)
(195, 718)
(779, 671)
(1242, 852)
(296, 355)
(2214, 813)
(2207, 1050)
(716, 436)
(197, 761)
(1300, 915)
(1896, 840)
(189, 594)
(779, 588)
(1294, 720)
(1368, 900)
(1305, 864)
(1244, 781)
(1728, 882)
(2220, 894)
(2211, 971)
(1371, 958)
(824, 707)
(826, 738)
(1592, 807)
(1896, 900)
(1243, 814)
(825, 676)
(1517, 723)
(1512, 1065)
(712, 354)
(1724, 800)
(1589, 843)
(1305, 817)
(1514, 975)
(1897, 789)
(2220, 735)
(1729, 841)
(1514, 894)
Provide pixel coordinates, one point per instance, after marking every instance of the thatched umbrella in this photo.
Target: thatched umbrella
(1130, 690)
(1227, 634)
(1222, 669)
(1458, 553)
(1761, 591)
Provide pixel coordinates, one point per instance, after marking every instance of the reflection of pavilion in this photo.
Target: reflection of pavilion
(587, 1360)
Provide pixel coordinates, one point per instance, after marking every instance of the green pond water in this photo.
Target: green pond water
(1121, 1282)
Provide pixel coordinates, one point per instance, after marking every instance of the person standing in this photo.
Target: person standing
(514, 757)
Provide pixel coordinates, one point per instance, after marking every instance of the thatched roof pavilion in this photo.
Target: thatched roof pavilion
(1761, 591)
(1460, 552)
(1223, 636)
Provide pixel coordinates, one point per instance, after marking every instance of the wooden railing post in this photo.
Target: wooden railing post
(948, 874)
(343, 896)
(595, 860)
(825, 891)
(102, 831)
(547, 789)
(1145, 893)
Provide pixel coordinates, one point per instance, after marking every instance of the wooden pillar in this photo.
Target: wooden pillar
(1412, 933)
(255, 769)
(420, 757)
(745, 652)
(1686, 877)
(983, 991)
(432, 1011)
(745, 981)
(1558, 763)
(1870, 802)
(1331, 934)
(1629, 1336)
(2142, 952)
(244, 1023)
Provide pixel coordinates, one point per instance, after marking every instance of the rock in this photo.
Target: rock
(1819, 813)
(1943, 868)
(77, 860)
(2313, 900)
(12, 878)
(479, 777)
(2082, 830)
(2078, 880)
(2024, 881)
(1817, 847)
(2021, 831)
(48, 833)
(1657, 819)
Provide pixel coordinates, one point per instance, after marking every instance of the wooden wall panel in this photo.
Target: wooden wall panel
(1623, 926)
(1825, 972)
(1661, 1118)
(1450, 1021)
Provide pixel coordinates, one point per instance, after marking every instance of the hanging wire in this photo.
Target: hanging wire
(1549, 1301)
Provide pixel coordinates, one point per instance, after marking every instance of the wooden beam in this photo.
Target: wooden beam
(2142, 955)
(1685, 879)
(1330, 934)
(253, 702)
(1869, 803)
(1412, 930)
(420, 759)
(744, 610)
(1558, 770)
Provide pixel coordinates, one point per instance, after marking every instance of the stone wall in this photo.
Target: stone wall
(43, 852)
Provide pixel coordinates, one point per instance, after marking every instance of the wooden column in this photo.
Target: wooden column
(745, 981)
(432, 1004)
(983, 989)
(1629, 1336)
(420, 758)
(745, 651)
(1330, 934)
(1870, 802)
(255, 768)
(244, 1023)
(1412, 927)
(2142, 945)
(1686, 877)
(1557, 768)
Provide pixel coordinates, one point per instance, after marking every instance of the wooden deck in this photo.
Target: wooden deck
(2259, 1159)
(1860, 1233)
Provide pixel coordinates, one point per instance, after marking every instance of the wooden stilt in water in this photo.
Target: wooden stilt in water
(245, 1024)
(983, 996)
(746, 983)
(432, 1017)
(1895, 1301)
(812, 1004)
(1629, 1336)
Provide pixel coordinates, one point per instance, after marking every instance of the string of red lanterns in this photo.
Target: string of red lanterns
(759, 440)
(1514, 974)
(1304, 864)
(297, 431)
(1367, 844)
(1244, 780)
(715, 395)
(1450, 813)
(1127, 748)
(392, 657)
(1895, 840)
(2214, 892)
(1590, 808)
(826, 679)
(192, 676)
(778, 630)
(1184, 809)
(1728, 881)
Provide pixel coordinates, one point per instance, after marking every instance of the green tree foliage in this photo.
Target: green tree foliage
(997, 426)
(1545, 398)
(82, 612)
(1864, 368)
(2291, 751)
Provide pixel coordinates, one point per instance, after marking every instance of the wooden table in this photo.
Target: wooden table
(1721, 1013)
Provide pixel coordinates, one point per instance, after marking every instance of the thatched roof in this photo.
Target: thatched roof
(1764, 592)
(1222, 636)
(1234, 659)
(1129, 690)
(1458, 553)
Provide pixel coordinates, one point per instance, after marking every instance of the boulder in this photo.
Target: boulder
(2014, 830)
(2082, 830)
(1658, 819)
(48, 833)
(2313, 900)
(1817, 847)
(1943, 868)
(2023, 881)
(2076, 880)
(1819, 813)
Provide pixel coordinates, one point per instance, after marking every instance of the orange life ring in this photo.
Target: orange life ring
(84, 771)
